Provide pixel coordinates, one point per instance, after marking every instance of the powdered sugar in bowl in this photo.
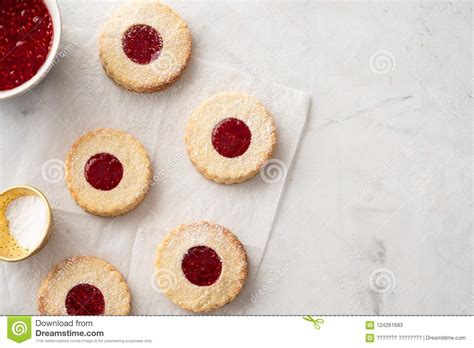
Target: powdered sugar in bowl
(25, 222)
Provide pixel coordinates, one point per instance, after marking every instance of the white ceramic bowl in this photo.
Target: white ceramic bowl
(53, 8)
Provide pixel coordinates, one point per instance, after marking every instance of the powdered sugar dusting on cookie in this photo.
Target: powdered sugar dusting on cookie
(199, 130)
(199, 234)
(136, 172)
(230, 251)
(173, 56)
(83, 270)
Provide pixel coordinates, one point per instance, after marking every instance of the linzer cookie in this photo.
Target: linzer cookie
(84, 285)
(108, 172)
(229, 137)
(145, 46)
(201, 266)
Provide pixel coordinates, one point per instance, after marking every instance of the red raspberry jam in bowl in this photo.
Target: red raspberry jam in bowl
(29, 40)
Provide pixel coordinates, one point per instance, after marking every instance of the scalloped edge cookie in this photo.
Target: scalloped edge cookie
(199, 129)
(173, 58)
(181, 291)
(76, 270)
(121, 199)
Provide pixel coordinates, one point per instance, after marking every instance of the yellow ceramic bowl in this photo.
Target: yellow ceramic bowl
(9, 248)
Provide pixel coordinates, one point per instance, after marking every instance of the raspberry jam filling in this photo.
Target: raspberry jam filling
(231, 137)
(85, 299)
(103, 171)
(26, 35)
(201, 265)
(142, 43)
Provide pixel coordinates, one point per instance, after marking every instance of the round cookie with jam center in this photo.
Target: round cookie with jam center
(201, 266)
(108, 172)
(84, 285)
(145, 46)
(229, 137)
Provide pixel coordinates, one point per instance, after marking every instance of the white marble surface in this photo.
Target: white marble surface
(382, 179)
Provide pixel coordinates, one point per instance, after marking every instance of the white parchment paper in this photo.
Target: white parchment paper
(85, 99)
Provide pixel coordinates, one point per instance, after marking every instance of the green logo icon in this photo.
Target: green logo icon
(369, 338)
(316, 322)
(369, 325)
(19, 328)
